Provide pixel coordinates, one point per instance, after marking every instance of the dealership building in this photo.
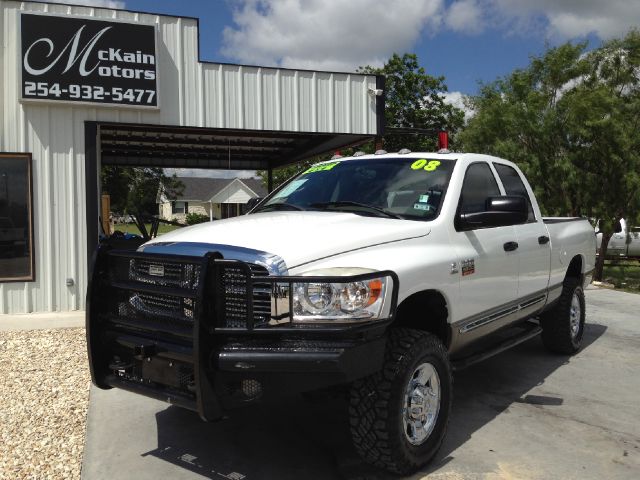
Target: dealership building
(85, 87)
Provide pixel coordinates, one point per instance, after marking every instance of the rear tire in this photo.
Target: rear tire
(563, 325)
(399, 415)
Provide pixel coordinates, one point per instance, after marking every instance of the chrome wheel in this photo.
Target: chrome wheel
(575, 314)
(421, 404)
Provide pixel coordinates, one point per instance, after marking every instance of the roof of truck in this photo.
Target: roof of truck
(458, 156)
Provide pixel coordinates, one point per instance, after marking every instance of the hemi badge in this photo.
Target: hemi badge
(156, 270)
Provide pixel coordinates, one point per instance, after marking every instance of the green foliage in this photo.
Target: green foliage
(570, 120)
(195, 218)
(134, 190)
(413, 100)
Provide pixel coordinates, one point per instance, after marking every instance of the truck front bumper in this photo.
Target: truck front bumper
(192, 357)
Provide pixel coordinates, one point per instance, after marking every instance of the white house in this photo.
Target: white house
(215, 197)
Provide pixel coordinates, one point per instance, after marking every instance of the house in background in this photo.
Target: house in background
(215, 197)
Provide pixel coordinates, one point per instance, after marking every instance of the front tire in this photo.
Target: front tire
(399, 415)
(563, 325)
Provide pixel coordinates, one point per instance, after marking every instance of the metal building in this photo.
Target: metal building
(82, 87)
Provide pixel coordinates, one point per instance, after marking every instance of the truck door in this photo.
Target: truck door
(488, 270)
(534, 245)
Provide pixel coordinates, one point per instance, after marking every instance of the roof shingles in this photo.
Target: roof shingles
(201, 189)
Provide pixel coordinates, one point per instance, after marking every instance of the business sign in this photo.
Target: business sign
(75, 59)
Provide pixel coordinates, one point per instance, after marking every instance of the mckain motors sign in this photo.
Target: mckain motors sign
(75, 59)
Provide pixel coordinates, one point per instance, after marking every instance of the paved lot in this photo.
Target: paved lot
(524, 414)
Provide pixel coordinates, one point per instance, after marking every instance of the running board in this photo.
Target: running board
(530, 332)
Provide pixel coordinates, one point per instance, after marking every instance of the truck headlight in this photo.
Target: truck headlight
(339, 301)
(315, 298)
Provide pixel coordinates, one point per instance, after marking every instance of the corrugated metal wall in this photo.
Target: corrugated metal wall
(191, 94)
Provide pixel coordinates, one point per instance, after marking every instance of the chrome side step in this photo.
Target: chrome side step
(530, 332)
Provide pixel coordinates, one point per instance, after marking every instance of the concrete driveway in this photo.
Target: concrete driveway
(524, 414)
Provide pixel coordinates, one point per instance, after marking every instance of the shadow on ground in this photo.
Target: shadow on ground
(302, 439)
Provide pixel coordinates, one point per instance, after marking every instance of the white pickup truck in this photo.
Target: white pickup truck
(383, 273)
(625, 242)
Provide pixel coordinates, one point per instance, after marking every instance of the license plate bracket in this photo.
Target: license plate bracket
(162, 371)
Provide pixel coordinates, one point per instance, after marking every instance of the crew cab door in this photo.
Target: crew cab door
(488, 268)
(534, 244)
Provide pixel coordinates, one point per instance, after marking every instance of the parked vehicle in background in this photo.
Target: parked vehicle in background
(382, 273)
(625, 242)
(11, 238)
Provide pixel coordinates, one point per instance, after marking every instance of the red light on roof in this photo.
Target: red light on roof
(443, 141)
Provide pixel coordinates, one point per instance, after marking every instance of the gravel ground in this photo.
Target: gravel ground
(44, 392)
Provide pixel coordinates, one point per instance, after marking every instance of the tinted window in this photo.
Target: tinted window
(16, 246)
(479, 183)
(513, 185)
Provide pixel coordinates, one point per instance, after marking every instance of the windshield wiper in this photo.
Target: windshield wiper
(278, 206)
(381, 212)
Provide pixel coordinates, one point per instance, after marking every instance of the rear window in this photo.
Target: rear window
(513, 186)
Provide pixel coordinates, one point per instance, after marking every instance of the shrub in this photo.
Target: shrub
(193, 218)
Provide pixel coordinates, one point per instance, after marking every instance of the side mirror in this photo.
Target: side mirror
(617, 227)
(253, 202)
(498, 212)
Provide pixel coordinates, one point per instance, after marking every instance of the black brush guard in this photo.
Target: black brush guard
(195, 331)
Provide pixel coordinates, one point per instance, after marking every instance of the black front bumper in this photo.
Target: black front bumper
(206, 345)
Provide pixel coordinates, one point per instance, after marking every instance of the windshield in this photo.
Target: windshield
(391, 187)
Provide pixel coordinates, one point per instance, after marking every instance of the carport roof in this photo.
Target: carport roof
(219, 148)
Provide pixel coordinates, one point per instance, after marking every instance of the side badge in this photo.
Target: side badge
(468, 267)
(454, 268)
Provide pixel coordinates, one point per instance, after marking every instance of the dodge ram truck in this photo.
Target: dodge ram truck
(379, 273)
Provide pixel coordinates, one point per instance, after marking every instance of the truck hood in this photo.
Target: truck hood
(295, 237)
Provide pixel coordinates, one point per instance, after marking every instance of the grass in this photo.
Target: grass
(624, 274)
(131, 228)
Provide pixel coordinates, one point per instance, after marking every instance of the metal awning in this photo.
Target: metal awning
(214, 148)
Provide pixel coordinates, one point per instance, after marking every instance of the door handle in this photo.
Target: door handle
(542, 240)
(510, 246)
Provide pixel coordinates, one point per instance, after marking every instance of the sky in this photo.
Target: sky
(468, 42)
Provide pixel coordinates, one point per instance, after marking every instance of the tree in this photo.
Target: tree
(413, 99)
(523, 118)
(570, 120)
(134, 190)
(604, 123)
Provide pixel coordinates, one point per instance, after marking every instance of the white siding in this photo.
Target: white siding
(235, 192)
(191, 94)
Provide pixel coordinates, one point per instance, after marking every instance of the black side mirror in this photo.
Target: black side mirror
(617, 228)
(253, 202)
(498, 212)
